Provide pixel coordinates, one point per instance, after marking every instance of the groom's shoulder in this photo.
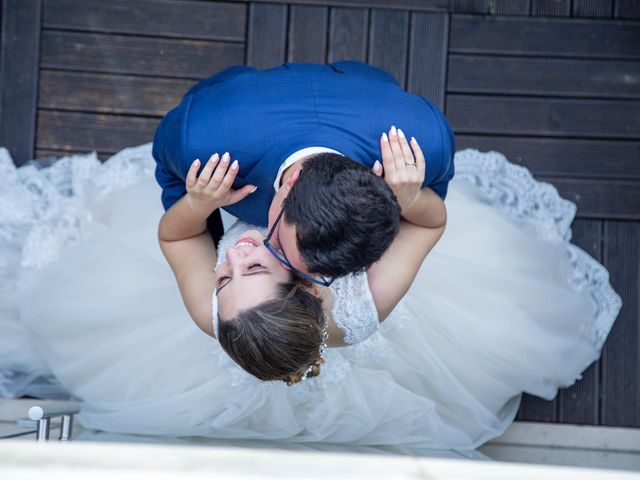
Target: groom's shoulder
(365, 71)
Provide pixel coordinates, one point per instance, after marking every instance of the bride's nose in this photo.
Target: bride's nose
(235, 255)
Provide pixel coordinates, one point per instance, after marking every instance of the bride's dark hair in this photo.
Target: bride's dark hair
(278, 339)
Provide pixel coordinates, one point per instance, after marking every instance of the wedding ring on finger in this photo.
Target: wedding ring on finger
(413, 164)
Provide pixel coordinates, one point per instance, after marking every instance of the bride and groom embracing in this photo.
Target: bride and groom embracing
(437, 331)
(328, 214)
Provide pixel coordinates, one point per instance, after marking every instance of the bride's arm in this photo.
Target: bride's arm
(391, 277)
(419, 205)
(424, 222)
(185, 241)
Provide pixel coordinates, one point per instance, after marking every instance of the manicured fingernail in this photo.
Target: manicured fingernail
(254, 189)
(225, 157)
(401, 133)
(376, 166)
(196, 161)
(214, 157)
(385, 138)
(234, 165)
(413, 139)
(394, 132)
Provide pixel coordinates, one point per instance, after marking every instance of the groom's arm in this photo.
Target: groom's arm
(172, 186)
(170, 153)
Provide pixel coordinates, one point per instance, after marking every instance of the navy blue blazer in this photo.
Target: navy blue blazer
(262, 116)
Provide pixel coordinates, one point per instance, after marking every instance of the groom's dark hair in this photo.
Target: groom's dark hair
(345, 216)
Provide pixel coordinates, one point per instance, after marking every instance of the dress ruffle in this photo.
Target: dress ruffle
(512, 189)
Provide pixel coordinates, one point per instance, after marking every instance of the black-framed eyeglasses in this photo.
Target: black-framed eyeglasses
(282, 258)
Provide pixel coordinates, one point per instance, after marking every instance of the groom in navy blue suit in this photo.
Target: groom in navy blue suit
(269, 119)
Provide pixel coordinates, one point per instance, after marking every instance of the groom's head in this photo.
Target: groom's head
(337, 217)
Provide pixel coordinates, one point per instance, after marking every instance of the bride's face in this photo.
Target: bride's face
(249, 276)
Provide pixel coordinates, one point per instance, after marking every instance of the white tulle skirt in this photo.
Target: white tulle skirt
(503, 305)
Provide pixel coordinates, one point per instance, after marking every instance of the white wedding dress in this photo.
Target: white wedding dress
(503, 305)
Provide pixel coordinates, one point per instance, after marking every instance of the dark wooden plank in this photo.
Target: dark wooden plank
(388, 42)
(551, 8)
(19, 76)
(543, 76)
(621, 355)
(348, 33)
(162, 18)
(85, 132)
(534, 409)
(267, 37)
(592, 8)
(469, 6)
(427, 70)
(613, 199)
(108, 93)
(510, 7)
(600, 196)
(417, 5)
(588, 235)
(135, 55)
(626, 9)
(308, 34)
(46, 157)
(579, 404)
(598, 159)
(545, 37)
(544, 117)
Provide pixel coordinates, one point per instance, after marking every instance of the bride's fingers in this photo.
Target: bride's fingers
(388, 162)
(395, 148)
(229, 178)
(192, 174)
(205, 174)
(421, 163)
(221, 171)
(406, 149)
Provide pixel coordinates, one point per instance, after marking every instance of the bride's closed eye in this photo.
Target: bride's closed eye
(253, 268)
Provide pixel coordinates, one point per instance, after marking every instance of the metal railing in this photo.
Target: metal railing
(44, 412)
(41, 415)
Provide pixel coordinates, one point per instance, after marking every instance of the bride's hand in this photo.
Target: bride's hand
(403, 166)
(212, 188)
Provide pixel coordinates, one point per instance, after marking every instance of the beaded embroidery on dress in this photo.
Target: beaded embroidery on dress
(502, 305)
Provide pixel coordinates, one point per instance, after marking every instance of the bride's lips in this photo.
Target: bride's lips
(247, 240)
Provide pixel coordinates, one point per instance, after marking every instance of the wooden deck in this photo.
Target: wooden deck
(554, 84)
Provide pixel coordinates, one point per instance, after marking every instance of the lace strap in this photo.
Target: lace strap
(353, 309)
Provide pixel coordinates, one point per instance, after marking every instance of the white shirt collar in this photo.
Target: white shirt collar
(295, 156)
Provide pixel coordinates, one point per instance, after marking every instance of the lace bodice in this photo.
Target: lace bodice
(353, 309)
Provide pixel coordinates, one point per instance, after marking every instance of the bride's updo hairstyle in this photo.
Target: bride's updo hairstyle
(278, 339)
